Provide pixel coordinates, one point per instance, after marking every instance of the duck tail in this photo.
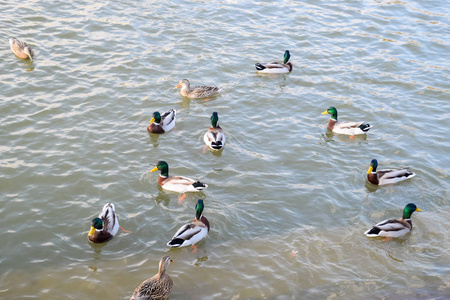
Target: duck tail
(216, 145)
(175, 242)
(364, 127)
(259, 66)
(372, 232)
(410, 174)
(199, 185)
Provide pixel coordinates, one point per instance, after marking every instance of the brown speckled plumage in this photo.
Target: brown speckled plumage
(21, 49)
(196, 92)
(157, 287)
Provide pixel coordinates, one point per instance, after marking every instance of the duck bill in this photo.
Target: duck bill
(178, 85)
(91, 232)
(370, 170)
(152, 120)
(418, 209)
(154, 169)
(325, 112)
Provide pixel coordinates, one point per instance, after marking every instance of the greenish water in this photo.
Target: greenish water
(287, 201)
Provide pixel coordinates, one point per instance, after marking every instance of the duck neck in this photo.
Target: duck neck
(331, 123)
(289, 65)
(161, 180)
(205, 221)
(214, 120)
(373, 178)
(161, 271)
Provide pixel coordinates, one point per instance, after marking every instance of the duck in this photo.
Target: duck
(214, 138)
(276, 67)
(349, 128)
(197, 91)
(179, 184)
(162, 123)
(391, 176)
(190, 234)
(157, 287)
(21, 49)
(105, 226)
(394, 227)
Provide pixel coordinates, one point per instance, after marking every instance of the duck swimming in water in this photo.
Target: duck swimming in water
(21, 49)
(197, 91)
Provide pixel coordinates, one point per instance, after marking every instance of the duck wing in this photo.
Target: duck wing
(168, 119)
(394, 176)
(189, 234)
(389, 228)
(204, 91)
(109, 219)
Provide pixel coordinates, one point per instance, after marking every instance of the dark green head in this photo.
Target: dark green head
(373, 166)
(156, 118)
(199, 209)
(332, 111)
(163, 167)
(214, 119)
(409, 209)
(97, 223)
(287, 55)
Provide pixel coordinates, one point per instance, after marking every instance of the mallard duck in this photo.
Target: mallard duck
(178, 184)
(192, 233)
(21, 49)
(350, 128)
(383, 177)
(214, 137)
(197, 91)
(276, 67)
(157, 287)
(104, 227)
(394, 227)
(162, 123)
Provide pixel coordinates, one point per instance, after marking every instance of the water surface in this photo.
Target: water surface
(287, 201)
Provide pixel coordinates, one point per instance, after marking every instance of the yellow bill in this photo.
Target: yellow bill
(91, 232)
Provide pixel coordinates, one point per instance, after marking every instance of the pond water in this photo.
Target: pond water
(288, 201)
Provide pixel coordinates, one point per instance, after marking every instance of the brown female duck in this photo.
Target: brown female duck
(21, 49)
(157, 287)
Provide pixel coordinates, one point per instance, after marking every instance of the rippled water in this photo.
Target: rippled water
(288, 201)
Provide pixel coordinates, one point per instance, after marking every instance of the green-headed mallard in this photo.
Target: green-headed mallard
(382, 177)
(178, 184)
(350, 128)
(192, 233)
(157, 287)
(214, 137)
(197, 91)
(105, 227)
(162, 123)
(394, 227)
(21, 49)
(276, 67)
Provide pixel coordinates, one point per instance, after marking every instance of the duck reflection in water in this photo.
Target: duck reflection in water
(162, 198)
(331, 136)
(154, 139)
